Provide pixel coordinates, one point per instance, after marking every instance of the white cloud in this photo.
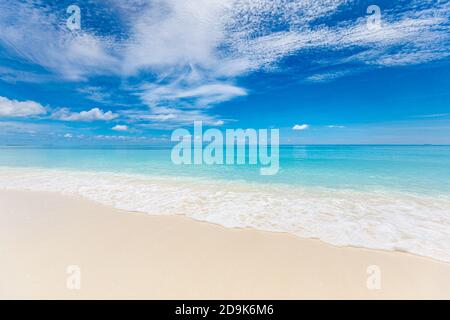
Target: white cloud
(176, 32)
(94, 114)
(36, 35)
(169, 118)
(120, 128)
(327, 76)
(20, 109)
(212, 93)
(128, 139)
(97, 94)
(197, 96)
(166, 36)
(435, 115)
(336, 127)
(14, 76)
(68, 136)
(300, 127)
(409, 38)
(195, 50)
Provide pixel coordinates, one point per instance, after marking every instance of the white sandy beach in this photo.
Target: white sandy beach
(129, 255)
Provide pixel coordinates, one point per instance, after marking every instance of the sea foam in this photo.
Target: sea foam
(378, 219)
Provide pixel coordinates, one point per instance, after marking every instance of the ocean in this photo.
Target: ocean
(380, 197)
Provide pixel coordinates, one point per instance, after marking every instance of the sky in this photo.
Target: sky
(132, 71)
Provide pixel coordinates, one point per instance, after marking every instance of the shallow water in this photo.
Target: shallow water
(385, 197)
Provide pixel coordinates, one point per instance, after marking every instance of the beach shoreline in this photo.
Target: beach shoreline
(127, 255)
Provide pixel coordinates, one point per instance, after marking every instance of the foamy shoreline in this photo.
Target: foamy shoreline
(376, 220)
(126, 255)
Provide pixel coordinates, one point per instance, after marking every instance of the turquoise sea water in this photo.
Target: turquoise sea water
(422, 169)
(383, 197)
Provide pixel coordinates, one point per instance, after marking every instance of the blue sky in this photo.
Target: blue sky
(322, 71)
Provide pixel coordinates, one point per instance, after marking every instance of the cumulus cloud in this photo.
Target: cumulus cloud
(300, 127)
(94, 114)
(20, 109)
(120, 128)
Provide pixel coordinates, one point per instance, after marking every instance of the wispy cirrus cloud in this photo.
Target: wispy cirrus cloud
(11, 75)
(36, 33)
(328, 76)
(433, 115)
(96, 93)
(167, 117)
(221, 37)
